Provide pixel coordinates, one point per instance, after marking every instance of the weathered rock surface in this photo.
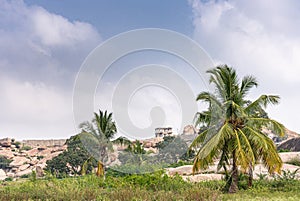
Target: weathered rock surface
(24, 172)
(7, 153)
(291, 144)
(2, 175)
(203, 177)
(6, 142)
(25, 161)
(287, 156)
(39, 171)
(188, 170)
(19, 161)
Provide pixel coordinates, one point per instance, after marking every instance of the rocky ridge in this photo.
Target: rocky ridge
(25, 159)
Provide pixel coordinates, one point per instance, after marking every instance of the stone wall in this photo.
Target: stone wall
(44, 143)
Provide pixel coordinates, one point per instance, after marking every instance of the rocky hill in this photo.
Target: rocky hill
(28, 156)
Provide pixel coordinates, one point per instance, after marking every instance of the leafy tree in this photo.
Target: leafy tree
(172, 149)
(70, 161)
(97, 134)
(4, 162)
(233, 133)
(136, 160)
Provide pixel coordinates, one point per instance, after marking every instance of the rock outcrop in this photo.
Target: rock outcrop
(292, 144)
(33, 158)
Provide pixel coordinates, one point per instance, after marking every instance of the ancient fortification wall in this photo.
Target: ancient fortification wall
(44, 143)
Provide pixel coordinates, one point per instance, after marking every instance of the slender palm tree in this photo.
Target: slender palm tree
(233, 126)
(97, 136)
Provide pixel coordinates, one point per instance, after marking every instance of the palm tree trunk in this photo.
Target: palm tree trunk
(100, 169)
(250, 179)
(234, 176)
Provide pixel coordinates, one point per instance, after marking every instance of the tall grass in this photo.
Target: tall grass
(134, 187)
(156, 186)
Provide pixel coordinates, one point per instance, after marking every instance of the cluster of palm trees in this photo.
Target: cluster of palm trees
(231, 129)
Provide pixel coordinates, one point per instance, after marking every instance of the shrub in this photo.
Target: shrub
(40, 157)
(4, 162)
(9, 179)
(26, 148)
(283, 150)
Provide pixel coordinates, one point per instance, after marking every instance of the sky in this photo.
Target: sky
(43, 45)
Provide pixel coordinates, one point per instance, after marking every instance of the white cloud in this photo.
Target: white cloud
(259, 38)
(34, 110)
(40, 54)
(55, 30)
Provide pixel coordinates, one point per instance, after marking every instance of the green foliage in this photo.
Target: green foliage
(232, 127)
(25, 176)
(135, 160)
(283, 150)
(33, 176)
(26, 148)
(40, 157)
(143, 187)
(155, 186)
(4, 162)
(180, 163)
(287, 175)
(18, 144)
(9, 179)
(70, 161)
(262, 176)
(172, 149)
(97, 135)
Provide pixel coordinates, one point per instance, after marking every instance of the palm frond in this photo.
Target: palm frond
(271, 124)
(262, 102)
(210, 148)
(248, 82)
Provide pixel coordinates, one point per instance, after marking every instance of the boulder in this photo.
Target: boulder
(5, 142)
(203, 177)
(2, 175)
(188, 170)
(24, 167)
(24, 172)
(32, 152)
(7, 153)
(10, 174)
(189, 130)
(292, 144)
(39, 171)
(182, 170)
(18, 161)
(287, 156)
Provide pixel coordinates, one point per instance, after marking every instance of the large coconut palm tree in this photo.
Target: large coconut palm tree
(233, 126)
(97, 135)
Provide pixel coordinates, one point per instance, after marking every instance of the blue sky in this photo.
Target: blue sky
(112, 17)
(43, 44)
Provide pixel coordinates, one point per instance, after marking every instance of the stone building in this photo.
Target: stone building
(162, 132)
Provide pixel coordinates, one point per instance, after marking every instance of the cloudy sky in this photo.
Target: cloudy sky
(44, 43)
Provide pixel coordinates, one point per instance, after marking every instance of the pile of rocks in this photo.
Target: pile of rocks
(24, 161)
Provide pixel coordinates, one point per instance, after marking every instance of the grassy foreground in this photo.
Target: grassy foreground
(141, 187)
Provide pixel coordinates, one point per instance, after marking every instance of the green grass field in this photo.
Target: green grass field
(141, 187)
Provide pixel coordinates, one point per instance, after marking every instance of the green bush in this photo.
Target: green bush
(26, 148)
(4, 162)
(40, 157)
(283, 150)
(9, 179)
(18, 144)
